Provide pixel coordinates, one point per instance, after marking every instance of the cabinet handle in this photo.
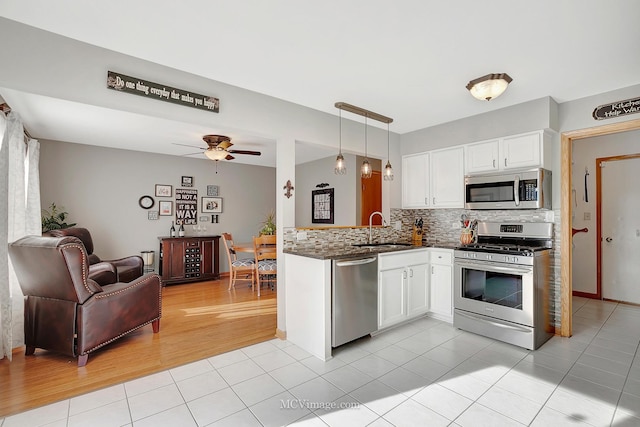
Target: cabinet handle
(434, 201)
(426, 200)
(505, 162)
(411, 272)
(432, 269)
(404, 274)
(494, 163)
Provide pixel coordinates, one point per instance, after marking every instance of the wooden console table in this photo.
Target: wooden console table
(189, 259)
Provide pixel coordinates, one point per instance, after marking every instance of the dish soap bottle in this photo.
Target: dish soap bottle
(181, 231)
(172, 230)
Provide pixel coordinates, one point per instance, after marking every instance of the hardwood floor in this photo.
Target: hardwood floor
(199, 320)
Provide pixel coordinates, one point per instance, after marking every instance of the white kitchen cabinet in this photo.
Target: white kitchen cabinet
(391, 297)
(415, 181)
(417, 289)
(482, 156)
(447, 178)
(521, 151)
(441, 284)
(403, 286)
(526, 150)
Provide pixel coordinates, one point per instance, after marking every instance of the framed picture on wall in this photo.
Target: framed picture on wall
(211, 204)
(187, 181)
(213, 190)
(322, 206)
(166, 207)
(164, 190)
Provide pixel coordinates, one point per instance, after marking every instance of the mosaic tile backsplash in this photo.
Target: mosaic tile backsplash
(438, 226)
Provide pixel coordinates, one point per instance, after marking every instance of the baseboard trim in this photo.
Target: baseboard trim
(281, 334)
(585, 295)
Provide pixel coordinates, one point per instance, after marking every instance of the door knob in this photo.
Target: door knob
(608, 239)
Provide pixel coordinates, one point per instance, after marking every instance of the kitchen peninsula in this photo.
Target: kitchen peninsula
(405, 289)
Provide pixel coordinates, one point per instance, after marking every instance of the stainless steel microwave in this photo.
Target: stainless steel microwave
(526, 189)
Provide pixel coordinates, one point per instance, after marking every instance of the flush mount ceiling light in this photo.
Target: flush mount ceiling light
(365, 170)
(489, 86)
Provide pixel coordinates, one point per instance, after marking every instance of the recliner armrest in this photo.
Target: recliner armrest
(130, 261)
(103, 273)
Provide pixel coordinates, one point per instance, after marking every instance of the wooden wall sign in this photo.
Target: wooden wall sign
(136, 86)
(186, 206)
(617, 109)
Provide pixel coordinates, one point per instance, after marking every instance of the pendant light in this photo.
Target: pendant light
(341, 167)
(365, 170)
(388, 170)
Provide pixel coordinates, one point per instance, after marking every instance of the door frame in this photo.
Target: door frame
(566, 254)
(599, 214)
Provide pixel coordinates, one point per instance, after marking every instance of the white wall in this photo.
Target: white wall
(585, 151)
(100, 188)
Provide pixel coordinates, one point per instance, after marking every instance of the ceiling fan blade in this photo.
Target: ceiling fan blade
(192, 146)
(191, 154)
(229, 157)
(224, 145)
(252, 153)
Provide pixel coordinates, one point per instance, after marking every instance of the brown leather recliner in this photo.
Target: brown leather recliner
(127, 269)
(69, 313)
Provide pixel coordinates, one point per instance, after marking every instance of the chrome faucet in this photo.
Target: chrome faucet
(370, 220)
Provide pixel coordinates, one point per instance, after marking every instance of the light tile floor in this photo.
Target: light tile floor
(425, 373)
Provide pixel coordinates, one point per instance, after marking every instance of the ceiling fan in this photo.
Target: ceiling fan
(218, 148)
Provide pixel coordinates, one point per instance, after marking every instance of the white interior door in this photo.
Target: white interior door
(621, 230)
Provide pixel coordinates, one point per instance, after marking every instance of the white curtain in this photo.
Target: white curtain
(19, 216)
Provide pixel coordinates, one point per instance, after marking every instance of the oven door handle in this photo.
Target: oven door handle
(516, 190)
(493, 267)
(494, 322)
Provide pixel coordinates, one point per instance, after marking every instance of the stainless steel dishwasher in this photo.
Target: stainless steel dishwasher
(354, 299)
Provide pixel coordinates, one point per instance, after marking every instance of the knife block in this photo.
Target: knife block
(416, 237)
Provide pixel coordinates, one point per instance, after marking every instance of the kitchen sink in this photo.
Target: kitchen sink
(381, 245)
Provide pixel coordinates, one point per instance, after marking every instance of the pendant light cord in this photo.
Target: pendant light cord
(340, 138)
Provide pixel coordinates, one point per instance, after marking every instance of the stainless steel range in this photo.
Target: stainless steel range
(502, 283)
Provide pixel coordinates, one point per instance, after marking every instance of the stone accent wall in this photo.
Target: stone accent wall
(438, 229)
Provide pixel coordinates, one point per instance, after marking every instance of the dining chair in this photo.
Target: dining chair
(238, 266)
(266, 264)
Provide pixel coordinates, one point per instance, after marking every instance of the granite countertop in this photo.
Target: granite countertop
(342, 252)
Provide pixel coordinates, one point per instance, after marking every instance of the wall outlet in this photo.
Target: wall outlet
(301, 235)
(587, 216)
(455, 225)
(398, 225)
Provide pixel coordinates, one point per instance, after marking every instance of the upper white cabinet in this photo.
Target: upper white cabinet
(525, 150)
(447, 178)
(483, 156)
(434, 179)
(415, 181)
(521, 151)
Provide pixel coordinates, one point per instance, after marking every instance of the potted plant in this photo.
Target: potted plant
(269, 225)
(52, 219)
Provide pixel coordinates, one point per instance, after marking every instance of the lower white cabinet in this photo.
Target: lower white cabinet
(403, 286)
(441, 284)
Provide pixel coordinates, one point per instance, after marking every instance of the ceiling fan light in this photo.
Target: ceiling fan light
(216, 154)
(489, 86)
